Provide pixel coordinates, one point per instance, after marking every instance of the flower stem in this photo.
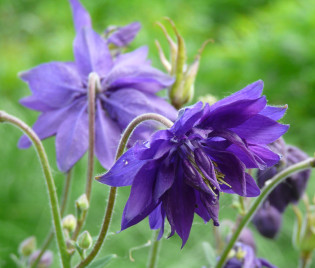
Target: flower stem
(113, 190)
(6, 118)
(305, 260)
(270, 185)
(92, 88)
(154, 251)
(63, 206)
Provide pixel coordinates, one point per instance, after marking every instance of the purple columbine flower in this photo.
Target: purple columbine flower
(182, 170)
(243, 256)
(59, 91)
(287, 192)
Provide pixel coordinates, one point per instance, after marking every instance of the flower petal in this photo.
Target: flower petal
(91, 53)
(252, 91)
(33, 103)
(126, 59)
(141, 77)
(274, 112)
(81, 17)
(260, 130)
(124, 171)
(124, 35)
(72, 138)
(265, 154)
(56, 83)
(157, 219)
(107, 134)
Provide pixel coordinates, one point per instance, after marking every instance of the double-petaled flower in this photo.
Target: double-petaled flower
(126, 89)
(182, 170)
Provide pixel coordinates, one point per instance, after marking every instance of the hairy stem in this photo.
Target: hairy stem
(6, 118)
(113, 190)
(154, 251)
(270, 185)
(92, 88)
(50, 236)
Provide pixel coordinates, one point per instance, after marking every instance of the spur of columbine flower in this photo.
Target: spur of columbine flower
(182, 170)
(127, 87)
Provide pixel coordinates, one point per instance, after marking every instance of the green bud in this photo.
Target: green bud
(27, 246)
(85, 240)
(182, 91)
(82, 203)
(69, 223)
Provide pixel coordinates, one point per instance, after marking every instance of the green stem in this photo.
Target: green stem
(305, 260)
(270, 185)
(50, 236)
(93, 85)
(154, 251)
(6, 118)
(113, 190)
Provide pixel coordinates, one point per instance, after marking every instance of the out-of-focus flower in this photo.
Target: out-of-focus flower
(287, 192)
(181, 170)
(27, 246)
(122, 36)
(45, 261)
(182, 91)
(243, 256)
(268, 220)
(127, 87)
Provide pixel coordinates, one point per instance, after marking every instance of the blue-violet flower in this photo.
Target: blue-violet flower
(59, 91)
(182, 170)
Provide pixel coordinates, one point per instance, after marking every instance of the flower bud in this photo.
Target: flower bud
(82, 203)
(85, 240)
(182, 91)
(27, 246)
(268, 221)
(69, 223)
(44, 262)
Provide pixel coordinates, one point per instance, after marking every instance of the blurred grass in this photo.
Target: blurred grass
(269, 40)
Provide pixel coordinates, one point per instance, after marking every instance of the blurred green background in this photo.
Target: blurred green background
(258, 39)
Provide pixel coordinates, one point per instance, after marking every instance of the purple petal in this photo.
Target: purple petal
(141, 77)
(81, 17)
(47, 125)
(187, 118)
(156, 220)
(260, 130)
(179, 205)
(56, 84)
(124, 35)
(165, 178)
(265, 263)
(91, 53)
(139, 55)
(265, 154)
(233, 114)
(274, 112)
(212, 206)
(252, 91)
(107, 134)
(140, 198)
(33, 103)
(124, 170)
(72, 138)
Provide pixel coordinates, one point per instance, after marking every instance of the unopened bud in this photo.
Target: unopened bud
(27, 246)
(85, 240)
(82, 203)
(69, 223)
(44, 262)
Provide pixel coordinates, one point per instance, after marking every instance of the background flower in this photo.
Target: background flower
(127, 88)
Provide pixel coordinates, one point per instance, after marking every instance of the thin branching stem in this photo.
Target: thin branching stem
(113, 190)
(6, 118)
(270, 185)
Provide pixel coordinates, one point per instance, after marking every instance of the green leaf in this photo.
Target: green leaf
(102, 262)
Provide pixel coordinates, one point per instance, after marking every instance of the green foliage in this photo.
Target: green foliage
(268, 40)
